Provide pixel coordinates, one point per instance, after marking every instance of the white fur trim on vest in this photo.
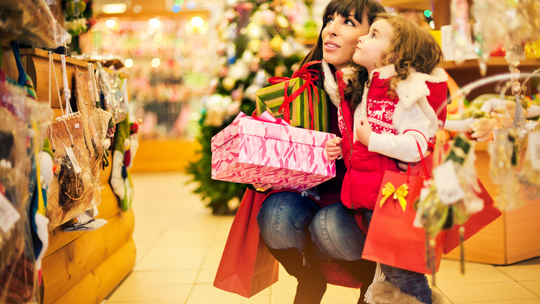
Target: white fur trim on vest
(379, 277)
(414, 90)
(330, 84)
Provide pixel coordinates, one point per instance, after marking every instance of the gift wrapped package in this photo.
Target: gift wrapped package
(296, 100)
(268, 150)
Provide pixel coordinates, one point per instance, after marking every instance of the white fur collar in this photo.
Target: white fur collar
(330, 84)
(415, 87)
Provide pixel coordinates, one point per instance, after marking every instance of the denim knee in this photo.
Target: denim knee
(335, 232)
(284, 218)
(409, 282)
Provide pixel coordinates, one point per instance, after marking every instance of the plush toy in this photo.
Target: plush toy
(120, 177)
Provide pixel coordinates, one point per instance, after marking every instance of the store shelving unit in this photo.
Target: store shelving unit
(511, 238)
(79, 267)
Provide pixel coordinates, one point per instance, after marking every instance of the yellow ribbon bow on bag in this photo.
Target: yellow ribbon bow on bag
(399, 194)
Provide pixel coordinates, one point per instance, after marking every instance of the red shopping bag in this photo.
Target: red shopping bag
(476, 222)
(392, 239)
(246, 267)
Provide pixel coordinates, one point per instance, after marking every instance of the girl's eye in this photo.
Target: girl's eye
(349, 22)
(373, 35)
(329, 20)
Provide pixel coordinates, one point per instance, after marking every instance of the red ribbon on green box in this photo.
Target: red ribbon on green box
(296, 99)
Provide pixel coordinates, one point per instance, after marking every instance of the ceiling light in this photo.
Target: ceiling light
(114, 8)
(154, 23)
(197, 21)
(110, 23)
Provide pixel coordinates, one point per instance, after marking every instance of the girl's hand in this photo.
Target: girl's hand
(363, 131)
(333, 148)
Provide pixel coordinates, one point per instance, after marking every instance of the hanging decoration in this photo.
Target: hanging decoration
(507, 24)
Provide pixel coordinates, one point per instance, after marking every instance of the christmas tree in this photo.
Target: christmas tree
(258, 41)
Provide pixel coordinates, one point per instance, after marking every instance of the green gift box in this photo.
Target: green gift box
(297, 110)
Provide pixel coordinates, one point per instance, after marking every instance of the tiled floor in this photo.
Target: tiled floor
(179, 245)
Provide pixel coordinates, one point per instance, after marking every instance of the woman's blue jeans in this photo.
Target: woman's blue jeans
(335, 232)
(284, 219)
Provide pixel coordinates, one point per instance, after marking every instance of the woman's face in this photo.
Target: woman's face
(340, 36)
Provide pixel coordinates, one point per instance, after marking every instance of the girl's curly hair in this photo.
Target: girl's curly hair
(410, 47)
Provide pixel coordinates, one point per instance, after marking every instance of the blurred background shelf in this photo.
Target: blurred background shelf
(511, 238)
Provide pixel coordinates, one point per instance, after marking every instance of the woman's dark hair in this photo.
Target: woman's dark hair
(343, 8)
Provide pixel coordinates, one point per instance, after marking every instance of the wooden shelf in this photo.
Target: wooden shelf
(166, 155)
(493, 62)
(408, 4)
(44, 54)
(79, 267)
(511, 238)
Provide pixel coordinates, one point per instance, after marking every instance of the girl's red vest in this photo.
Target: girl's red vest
(365, 169)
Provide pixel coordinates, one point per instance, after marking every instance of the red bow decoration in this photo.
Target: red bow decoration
(308, 75)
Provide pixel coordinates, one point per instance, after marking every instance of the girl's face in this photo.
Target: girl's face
(340, 36)
(372, 46)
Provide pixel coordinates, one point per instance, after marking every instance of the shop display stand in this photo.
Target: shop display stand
(79, 267)
(511, 238)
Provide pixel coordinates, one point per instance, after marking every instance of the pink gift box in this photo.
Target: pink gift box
(266, 150)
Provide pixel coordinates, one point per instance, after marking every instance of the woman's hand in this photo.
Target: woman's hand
(363, 131)
(333, 148)
(266, 187)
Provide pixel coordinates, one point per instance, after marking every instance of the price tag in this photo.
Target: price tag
(533, 149)
(447, 183)
(73, 160)
(8, 214)
(76, 125)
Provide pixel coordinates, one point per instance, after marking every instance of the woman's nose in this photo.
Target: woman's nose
(332, 29)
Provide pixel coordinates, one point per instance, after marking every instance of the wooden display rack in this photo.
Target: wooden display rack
(79, 267)
(511, 238)
(514, 236)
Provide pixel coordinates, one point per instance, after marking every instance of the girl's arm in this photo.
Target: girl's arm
(403, 146)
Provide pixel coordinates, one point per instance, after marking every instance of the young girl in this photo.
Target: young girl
(393, 114)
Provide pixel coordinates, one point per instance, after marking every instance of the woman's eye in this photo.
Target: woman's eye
(349, 22)
(329, 20)
(373, 35)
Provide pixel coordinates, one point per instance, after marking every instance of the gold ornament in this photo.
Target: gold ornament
(282, 21)
(276, 43)
(228, 83)
(254, 45)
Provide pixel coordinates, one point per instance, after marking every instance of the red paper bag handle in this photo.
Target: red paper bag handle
(424, 165)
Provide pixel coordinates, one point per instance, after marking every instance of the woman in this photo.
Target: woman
(285, 216)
